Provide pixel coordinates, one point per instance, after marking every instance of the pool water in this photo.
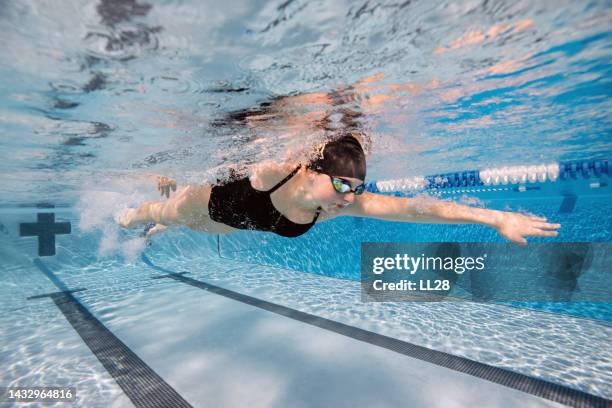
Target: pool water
(152, 303)
(96, 97)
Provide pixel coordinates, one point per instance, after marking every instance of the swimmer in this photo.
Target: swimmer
(290, 198)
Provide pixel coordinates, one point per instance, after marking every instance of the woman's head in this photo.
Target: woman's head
(343, 160)
(343, 157)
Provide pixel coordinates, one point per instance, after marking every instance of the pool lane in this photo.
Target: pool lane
(141, 384)
(520, 382)
(266, 359)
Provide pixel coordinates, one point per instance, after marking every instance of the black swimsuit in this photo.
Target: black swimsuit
(239, 205)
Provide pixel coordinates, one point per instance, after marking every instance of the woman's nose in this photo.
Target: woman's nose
(349, 197)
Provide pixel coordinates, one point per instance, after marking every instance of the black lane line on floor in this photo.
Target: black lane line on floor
(568, 204)
(521, 382)
(143, 386)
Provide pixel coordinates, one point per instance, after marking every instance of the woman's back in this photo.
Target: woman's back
(253, 203)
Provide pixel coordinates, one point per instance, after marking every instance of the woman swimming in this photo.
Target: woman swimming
(289, 198)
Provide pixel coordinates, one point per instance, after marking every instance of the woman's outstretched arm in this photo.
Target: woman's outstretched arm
(512, 226)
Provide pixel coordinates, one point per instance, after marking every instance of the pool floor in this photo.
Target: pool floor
(212, 350)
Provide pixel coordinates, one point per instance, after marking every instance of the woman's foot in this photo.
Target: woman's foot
(156, 229)
(128, 219)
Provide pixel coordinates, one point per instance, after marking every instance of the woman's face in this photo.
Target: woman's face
(326, 195)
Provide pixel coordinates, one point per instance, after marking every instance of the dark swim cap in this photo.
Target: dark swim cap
(343, 157)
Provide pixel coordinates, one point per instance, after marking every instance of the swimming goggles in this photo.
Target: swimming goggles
(343, 187)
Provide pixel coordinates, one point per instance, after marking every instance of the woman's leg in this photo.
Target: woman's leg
(149, 211)
(189, 207)
(161, 212)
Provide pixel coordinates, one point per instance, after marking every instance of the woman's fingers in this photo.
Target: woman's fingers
(164, 184)
(546, 225)
(543, 233)
(160, 185)
(520, 240)
(537, 218)
(518, 226)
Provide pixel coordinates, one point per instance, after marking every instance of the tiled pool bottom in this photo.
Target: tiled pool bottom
(567, 350)
(216, 351)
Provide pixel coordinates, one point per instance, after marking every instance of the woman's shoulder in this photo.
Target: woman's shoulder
(267, 174)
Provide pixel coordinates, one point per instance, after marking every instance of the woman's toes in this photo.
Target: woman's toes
(156, 230)
(126, 220)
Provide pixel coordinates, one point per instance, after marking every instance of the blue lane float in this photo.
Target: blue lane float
(499, 176)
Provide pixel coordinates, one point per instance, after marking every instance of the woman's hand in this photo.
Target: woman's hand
(515, 226)
(164, 184)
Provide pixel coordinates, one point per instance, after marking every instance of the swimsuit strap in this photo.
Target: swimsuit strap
(316, 215)
(283, 181)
